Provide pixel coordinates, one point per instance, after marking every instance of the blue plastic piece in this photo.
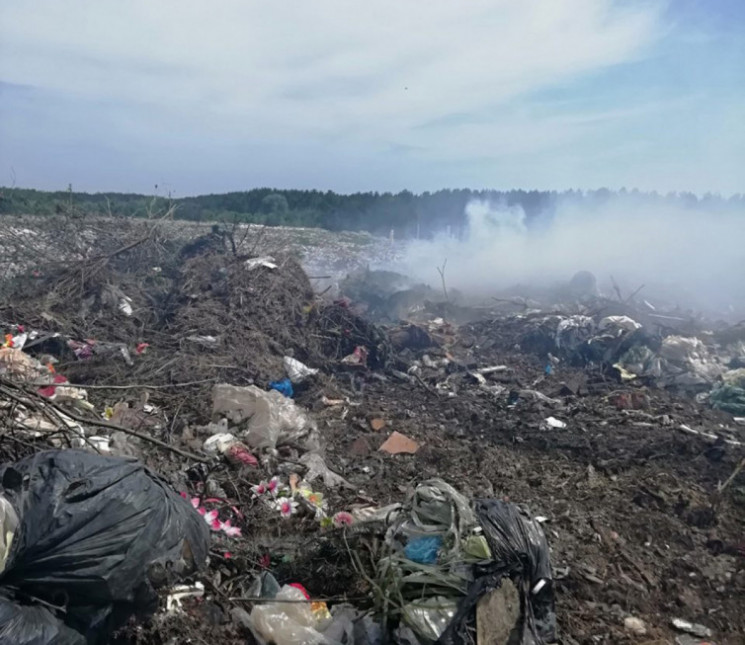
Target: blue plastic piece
(424, 549)
(283, 387)
(549, 370)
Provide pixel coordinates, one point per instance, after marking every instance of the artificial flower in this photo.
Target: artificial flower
(286, 507)
(342, 519)
(230, 530)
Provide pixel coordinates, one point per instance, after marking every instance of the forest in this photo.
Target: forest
(405, 213)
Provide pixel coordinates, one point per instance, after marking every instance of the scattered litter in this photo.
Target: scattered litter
(554, 423)
(297, 371)
(267, 262)
(270, 417)
(635, 625)
(357, 357)
(691, 628)
(179, 593)
(398, 443)
(76, 509)
(284, 387)
(288, 621)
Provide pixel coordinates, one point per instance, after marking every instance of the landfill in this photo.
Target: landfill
(199, 443)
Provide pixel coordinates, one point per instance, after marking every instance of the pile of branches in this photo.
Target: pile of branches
(187, 313)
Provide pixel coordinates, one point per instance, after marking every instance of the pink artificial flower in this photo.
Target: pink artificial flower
(183, 494)
(195, 503)
(261, 489)
(287, 507)
(229, 529)
(227, 555)
(342, 519)
(209, 517)
(273, 485)
(216, 525)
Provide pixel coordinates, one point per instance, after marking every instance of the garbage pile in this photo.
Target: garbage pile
(196, 444)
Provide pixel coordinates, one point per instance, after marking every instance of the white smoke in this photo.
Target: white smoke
(692, 257)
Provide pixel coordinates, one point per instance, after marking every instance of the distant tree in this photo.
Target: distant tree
(275, 204)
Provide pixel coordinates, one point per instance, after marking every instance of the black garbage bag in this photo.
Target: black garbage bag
(97, 537)
(519, 552)
(34, 625)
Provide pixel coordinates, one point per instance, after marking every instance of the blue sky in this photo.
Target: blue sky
(379, 95)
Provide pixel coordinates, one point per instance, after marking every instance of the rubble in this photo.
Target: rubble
(619, 431)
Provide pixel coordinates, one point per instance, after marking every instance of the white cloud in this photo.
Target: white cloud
(419, 94)
(315, 68)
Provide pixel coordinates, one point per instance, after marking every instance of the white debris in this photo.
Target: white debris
(297, 372)
(179, 592)
(618, 324)
(218, 443)
(554, 423)
(691, 628)
(125, 305)
(635, 625)
(267, 262)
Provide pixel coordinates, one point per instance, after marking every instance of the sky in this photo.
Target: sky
(199, 97)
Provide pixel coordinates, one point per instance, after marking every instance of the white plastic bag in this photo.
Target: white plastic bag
(286, 623)
(297, 371)
(271, 416)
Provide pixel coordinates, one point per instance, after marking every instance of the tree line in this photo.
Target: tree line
(408, 214)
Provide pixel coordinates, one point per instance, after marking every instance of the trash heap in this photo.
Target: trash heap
(196, 444)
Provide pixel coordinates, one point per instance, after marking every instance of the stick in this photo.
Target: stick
(100, 424)
(135, 386)
(734, 474)
(631, 297)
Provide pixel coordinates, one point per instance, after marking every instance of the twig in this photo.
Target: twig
(441, 271)
(97, 423)
(631, 297)
(734, 474)
(135, 386)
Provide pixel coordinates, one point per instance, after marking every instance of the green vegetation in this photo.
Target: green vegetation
(409, 215)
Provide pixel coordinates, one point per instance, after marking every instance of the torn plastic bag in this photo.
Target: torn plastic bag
(520, 552)
(271, 416)
(97, 536)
